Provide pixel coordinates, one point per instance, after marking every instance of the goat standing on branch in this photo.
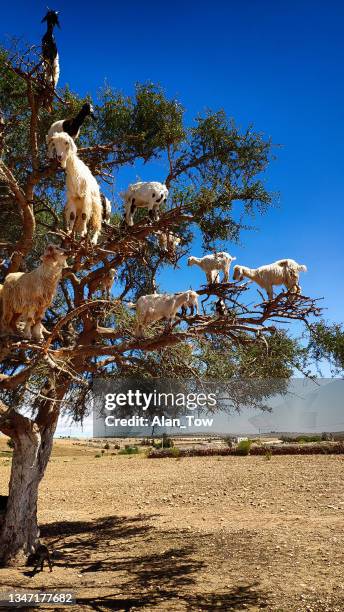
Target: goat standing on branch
(157, 306)
(281, 272)
(106, 205)
(69, 126)
(84, 207)
(221, 308)
(144, 195)
(212, 264)
(103, 284)
(168, 242)
(29, 294)
(49, 49)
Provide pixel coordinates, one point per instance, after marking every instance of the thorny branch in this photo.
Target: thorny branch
(236, 324)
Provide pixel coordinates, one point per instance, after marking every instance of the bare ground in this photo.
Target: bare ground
(229, 533)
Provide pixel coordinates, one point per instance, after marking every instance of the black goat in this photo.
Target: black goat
(49, 49)
(72, 125)
(221, 308)
(37, 558)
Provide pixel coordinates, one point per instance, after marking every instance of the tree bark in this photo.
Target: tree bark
(33, 442)
(19, 531)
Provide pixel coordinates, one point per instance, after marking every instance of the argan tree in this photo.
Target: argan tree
(327, 343)
(212, 170)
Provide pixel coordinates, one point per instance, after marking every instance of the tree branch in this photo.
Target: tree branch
(24, 244)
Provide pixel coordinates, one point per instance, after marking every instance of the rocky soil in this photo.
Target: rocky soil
(229, 533)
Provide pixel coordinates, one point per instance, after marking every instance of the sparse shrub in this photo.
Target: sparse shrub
(229, 441)
(129, 450)
(117, 446)
(326, 436)
(243, 447)
(287, 439)
(300, 439)
(10, 443)
(102, 451)
(291, 449)
(166, 442)
(107, 446)
(268, 454)
(97, 456)
(146, 442)
(303, 439)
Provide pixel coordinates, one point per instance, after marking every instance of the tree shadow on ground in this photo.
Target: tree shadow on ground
(116, 525)
(238, 598)
(149, 567)
(234, 599)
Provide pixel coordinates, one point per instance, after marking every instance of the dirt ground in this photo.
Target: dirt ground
(217, 533)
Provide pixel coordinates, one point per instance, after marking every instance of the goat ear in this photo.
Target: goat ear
(73, 145)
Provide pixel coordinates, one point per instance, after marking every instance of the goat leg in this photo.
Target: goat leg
(83, 225)
(28, 325)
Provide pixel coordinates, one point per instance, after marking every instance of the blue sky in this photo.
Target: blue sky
(275, 64)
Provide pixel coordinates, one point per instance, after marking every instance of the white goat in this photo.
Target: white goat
(84, 207)
(144, 195)
(103, 284)
(212, 264)
(27, 295)
(168, 241)
(157, 306)
(281, 272)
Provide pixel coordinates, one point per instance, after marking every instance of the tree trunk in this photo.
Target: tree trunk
(19, 531)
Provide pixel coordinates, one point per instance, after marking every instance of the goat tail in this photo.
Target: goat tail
(302, 268)
(131, 305)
